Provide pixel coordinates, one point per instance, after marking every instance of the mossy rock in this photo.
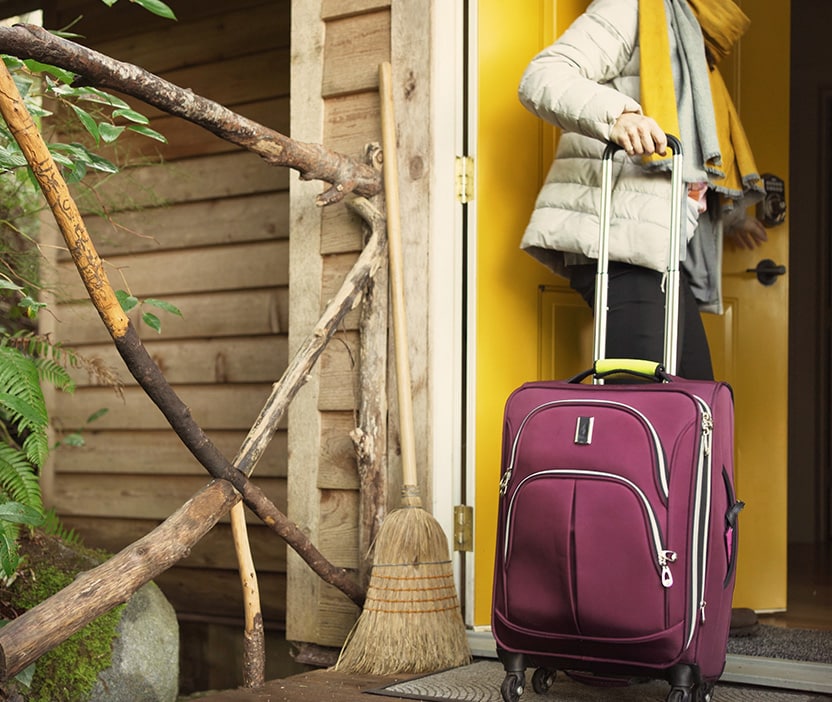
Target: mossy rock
(105, 660)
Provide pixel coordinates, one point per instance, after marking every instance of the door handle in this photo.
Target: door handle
(767, 271)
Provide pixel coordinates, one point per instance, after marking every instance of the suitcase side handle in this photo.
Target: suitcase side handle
(671, 322)
(605, 367)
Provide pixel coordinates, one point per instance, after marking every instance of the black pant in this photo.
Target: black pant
(635, 323)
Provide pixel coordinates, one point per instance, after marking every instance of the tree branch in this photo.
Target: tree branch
(54, 620)
(312, 161)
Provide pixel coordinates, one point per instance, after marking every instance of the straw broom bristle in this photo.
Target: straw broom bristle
(411, 621)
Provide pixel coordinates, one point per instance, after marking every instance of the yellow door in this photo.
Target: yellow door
(530, 325)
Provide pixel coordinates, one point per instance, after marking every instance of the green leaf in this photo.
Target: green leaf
(148, 132)
(61, 159)
(131, 115)
(9, 557)
(109, 3)
(20, 514)
(100, 96)
(126, 300)
(9, 285)
(59, 73)
(25, 676)
(76, 172)
(97, 415)
(18, 478)
(163, 305)
(31, 306)
(75, 151)
(11, 158)
(12, 62)
(109, 132)
(88, 122)
(152, 321)
(74, 439)
(99, 163)
(157, 7)
(22, 409)
(64, 90)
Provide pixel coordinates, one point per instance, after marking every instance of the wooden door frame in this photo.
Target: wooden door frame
(447, 272)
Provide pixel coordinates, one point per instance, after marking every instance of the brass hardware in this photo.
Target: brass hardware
(463, 528)
(464, 178)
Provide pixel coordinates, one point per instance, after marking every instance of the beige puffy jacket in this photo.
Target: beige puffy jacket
(582, 84)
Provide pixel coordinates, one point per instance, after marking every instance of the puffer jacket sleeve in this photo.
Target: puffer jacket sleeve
(570, 83)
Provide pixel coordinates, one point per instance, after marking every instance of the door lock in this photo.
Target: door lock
(767, 271)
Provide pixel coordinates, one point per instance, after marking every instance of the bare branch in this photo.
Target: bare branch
(312, 161)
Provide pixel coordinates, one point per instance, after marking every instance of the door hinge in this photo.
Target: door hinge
(464, 178)
(463, 528)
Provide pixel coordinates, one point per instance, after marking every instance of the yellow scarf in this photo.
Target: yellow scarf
(722, 25)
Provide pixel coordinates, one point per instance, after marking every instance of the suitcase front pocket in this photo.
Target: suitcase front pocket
(592, 562)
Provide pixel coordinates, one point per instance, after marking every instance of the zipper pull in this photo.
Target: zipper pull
(666, 557)
(702, 611)
(707, 431)
(504, 481)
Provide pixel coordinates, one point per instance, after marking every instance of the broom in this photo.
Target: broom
(411, 621)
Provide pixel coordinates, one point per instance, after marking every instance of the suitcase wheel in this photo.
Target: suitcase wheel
(512, 686)
(688, 686)
(543, 679)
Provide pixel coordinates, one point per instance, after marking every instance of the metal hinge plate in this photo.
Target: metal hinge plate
(463, 528)
(464, 178)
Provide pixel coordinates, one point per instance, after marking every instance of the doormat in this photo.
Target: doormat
(806, 645)
(481, 681)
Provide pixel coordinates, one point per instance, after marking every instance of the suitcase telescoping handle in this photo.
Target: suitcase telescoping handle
(671, 311)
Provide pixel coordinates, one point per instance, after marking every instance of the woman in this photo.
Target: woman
(590, 83)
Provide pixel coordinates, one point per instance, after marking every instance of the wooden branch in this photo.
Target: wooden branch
(312, 161)
(97, 591)
(294, 377)
(54, 620)
(143, 368)
(370, 435)
(254, 636)
(45, 626)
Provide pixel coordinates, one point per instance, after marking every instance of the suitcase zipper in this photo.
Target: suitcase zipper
(701, 519)
(664, 557)
(660, 463)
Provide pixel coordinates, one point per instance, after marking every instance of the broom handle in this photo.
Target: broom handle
(394, 244)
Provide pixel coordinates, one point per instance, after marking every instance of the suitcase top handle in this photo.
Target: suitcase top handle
(671, 307)
(604, 368)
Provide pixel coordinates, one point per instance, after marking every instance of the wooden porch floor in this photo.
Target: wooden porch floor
(314, 686)
(810, 606)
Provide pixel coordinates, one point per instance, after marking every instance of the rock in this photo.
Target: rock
(145, 664)
(138, 642)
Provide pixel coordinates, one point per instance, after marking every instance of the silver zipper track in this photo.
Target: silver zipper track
(701, 519)
(661, 466)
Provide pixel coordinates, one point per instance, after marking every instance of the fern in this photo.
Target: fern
(18, 479)
(22, 399)
(53, 526)
(52, 372)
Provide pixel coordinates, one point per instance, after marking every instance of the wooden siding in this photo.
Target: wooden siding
(337, 48)
(211, 237)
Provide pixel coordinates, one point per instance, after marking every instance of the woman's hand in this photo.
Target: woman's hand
(747, 233)
(638, 135)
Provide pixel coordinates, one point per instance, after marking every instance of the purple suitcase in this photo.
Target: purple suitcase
(616, 544)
